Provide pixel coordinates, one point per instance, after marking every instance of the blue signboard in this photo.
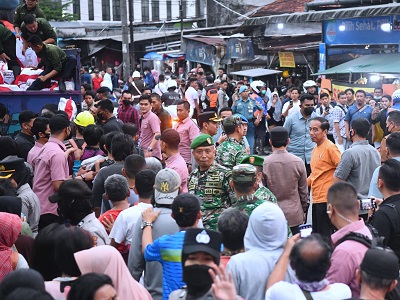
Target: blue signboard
(239, 48)
(322, 57)
(198, 52)
(362, 31)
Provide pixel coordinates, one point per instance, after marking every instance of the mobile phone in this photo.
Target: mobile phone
(327, 109)
(305, 230)
(367, 204)
(291, 102)
(378, 105)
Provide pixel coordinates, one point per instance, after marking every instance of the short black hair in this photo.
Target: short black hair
(145, 97)
(146, 69)
(361, 127)
(121, 146)
(90, 93)
(311, 268)
(144, 183)
(362, 92)
(341, 94)
(225, 109)
(133, 164)
(39, 125)
(343, 196)
(155, 95)
(394, 116)
(243, 187)
(349, 90)
(389, 173)
(305, 97)
(35, 40)
(130, 129)
(295, 89)
(146, 89)
(223, 81)
(192, 79)
(29, 19)
(280, 143)
(232, 223)
(324, 122)
(86, 87)
(323, 95)
(393, 143)
(378, 88)
(26, 116)
(387, 97)
(126, 92)
(185, 104)
(161, 77)
(108, 139)
(106, 105)
(92, 134)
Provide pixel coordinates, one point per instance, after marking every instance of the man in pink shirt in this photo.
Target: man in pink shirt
(347, 256)
(51, 169)
(187, 130)
(149, 128)
(41, 131)
(169, 147)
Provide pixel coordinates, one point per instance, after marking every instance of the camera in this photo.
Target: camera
(305, 230)
(367, 204)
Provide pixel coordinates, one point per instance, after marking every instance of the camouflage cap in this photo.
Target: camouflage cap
(254, 160)
(203, 140)
(244, 173)
(233, 121)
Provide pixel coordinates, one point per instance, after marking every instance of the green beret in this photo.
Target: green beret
(244, 173)
(203, 140)
(254, 160)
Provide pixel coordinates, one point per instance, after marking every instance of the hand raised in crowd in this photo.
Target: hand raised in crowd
(149, 215)
(223, 287)
(78, 154)
(4, 57)
(69, 151)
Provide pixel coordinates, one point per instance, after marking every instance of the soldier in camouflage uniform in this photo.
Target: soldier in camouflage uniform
(262, 192)
(231, 152)
(210, 181)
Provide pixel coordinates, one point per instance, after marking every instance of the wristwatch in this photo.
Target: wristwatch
(149, 149)
(145, 224)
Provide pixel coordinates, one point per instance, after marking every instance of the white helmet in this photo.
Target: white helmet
(172, 83)
(396, 96)
(308, 84)
(256, 84)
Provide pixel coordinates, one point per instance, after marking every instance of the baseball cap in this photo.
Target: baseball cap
(244, 173)
(172, 83)
(169, 136)
(208, 116)
(11, 165)
(84, 119)
(381, 263)
(58, 122)
(279, 134)
(185, 208)
(166, 185)
(136, 74)
(202, 240)
(71, 190)
(244, 119)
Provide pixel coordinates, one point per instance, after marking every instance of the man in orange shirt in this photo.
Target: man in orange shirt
(325, 157)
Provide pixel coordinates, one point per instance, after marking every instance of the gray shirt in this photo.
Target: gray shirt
(91, 224)
(164, 224)
(357, 166)
(98, 182)
(30, 206)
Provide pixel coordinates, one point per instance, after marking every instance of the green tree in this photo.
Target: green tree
(55, 11)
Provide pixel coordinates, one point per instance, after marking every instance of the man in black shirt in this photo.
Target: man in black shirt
(25, 139)
(106, 116)
(386, 218)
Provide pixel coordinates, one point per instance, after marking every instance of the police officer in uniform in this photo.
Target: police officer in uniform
(210, 181)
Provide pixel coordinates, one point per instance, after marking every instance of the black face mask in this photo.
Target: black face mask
(100, 117)
(47, 136)
(183, 85)
(197, 279)
(308, 111)
(126, 102)
(201, 73)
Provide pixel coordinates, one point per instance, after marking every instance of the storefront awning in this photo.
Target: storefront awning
(256, 72)
(372, 63)
(319, 16)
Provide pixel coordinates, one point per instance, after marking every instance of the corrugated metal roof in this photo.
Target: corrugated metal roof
(207, 40)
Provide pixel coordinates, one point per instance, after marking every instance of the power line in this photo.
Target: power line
(231, 10)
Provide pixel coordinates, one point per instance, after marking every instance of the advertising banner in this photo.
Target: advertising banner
(286, 60)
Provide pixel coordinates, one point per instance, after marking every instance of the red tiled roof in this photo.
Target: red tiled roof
(281, 7)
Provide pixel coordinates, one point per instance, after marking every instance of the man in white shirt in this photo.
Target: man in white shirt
(192, 96)
(125, 223)
(293, 106)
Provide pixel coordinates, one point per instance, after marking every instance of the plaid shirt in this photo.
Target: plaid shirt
(128, 115)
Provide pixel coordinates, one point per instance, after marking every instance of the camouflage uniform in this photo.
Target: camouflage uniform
(247, 203)
(213, 187)
(264, 193)
(230, 153)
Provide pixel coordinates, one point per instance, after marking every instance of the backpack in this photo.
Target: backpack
(212, 96)
(376, 241)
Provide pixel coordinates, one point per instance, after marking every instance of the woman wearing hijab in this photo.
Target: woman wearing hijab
(10, 227)
(107, 260)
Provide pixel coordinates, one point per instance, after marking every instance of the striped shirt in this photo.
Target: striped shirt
(168, 250)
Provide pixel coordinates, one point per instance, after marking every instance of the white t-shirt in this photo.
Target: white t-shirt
(289, 291)
(294, 109)
(191, 94)
(124, 225)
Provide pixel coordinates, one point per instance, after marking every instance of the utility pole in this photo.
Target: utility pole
(181, 17)
(132, 48)
(125, 42)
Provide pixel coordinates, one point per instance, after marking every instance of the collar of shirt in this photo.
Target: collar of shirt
(87, 219)
(280, 151)
(184, 121)
(360, 143)
(146, 114)
(159, 111)
(346, 229)
(233, 140)
(37, 144)
(58, 142)
(23, 188)
(110, 119)
(172, 157)
(392, 199)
